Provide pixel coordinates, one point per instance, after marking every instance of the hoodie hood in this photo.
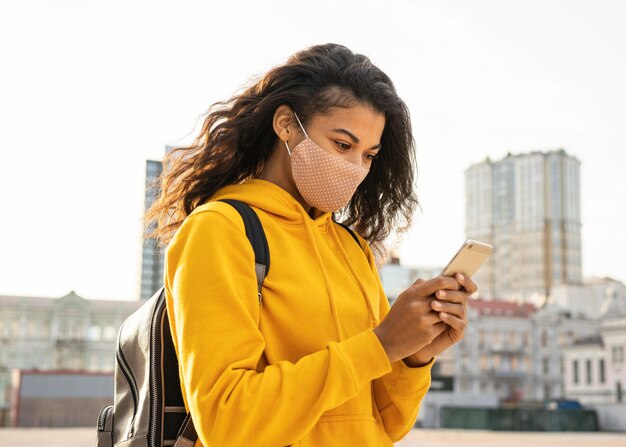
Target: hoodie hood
(285, 209)
(272, 199)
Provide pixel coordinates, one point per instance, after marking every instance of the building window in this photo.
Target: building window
(109, 333)
(95, 333)
(575, 369)
(546, 392)
(601, 367)
(618, 354)
(512, 338)
(526, 339)
(588, 364)
(33, 327)
(546, 365)
(496, 362)
(484, 362)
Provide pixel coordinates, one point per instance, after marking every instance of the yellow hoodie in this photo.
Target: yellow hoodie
(304, 367)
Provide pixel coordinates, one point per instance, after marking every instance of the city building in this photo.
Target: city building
(67, 333)
(595, 367)
(496, 355)
(513, 349)
(153, 254)
(587, 299)
(515, 352)
(528, 207)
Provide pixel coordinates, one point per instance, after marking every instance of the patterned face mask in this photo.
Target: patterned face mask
(325, 181)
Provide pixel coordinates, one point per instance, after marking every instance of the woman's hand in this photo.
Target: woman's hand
(451, 305)
(413, 325)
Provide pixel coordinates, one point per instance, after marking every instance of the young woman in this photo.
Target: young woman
(322, 361)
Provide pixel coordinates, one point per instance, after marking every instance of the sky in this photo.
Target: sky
(89, 90)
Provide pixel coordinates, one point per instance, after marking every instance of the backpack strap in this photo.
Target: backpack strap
(352, 233)
(256, 236)
(187, 435)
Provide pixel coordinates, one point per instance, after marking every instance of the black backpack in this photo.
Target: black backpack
(148, 409)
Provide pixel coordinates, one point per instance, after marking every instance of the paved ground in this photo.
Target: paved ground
(461, 438)
(85, 437)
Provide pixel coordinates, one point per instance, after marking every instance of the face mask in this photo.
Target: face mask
(325, 181)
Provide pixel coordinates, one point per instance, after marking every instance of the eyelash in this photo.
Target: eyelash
(346, 147)
(343, 146)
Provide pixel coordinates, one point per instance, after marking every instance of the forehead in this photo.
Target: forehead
(362, 121)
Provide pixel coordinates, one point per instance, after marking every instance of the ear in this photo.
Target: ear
(283, 120)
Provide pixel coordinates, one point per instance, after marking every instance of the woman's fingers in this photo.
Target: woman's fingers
(452, 296)
(455, 309)
(458, 324)
(467, 283)
(427, 288)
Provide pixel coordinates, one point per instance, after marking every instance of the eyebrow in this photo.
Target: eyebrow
(354, 137)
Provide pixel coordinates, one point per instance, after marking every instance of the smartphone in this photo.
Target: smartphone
(468, 259)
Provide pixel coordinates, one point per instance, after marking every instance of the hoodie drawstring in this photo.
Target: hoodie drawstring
(331, 296)
(373, 317)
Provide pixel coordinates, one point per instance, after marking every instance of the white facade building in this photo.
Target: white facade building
(68, 333)
(528, 207)
(595, 368)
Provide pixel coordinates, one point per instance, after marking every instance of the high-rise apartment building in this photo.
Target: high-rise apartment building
(153, 254)
(152, 257)
(528, 207)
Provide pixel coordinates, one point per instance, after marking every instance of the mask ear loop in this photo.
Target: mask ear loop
(301, 126)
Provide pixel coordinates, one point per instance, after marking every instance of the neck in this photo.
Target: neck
(277, 169)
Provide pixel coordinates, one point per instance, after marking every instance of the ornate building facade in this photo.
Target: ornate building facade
(67, 333)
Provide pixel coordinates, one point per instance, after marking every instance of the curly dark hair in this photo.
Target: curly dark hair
(237, 138)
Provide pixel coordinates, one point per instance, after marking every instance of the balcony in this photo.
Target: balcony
(506, 350)
(505, 374)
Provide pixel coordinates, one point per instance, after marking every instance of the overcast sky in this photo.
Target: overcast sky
(91, 89)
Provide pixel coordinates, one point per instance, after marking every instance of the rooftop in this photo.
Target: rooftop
(502, 308)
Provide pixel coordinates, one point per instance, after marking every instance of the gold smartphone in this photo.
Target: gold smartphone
(468, 259)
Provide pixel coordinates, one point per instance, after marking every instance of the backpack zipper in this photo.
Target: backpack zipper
(155, 431)
(133, 386)
(102, 417)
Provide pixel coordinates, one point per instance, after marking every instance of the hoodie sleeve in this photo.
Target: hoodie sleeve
(214, 313)
(398, 394)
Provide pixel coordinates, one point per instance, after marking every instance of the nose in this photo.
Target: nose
(356, 158)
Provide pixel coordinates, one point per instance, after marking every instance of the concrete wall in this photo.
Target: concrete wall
(612, 417)
(59, 398)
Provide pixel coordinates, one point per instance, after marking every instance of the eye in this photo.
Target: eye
(342, 146)
(370, 157)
